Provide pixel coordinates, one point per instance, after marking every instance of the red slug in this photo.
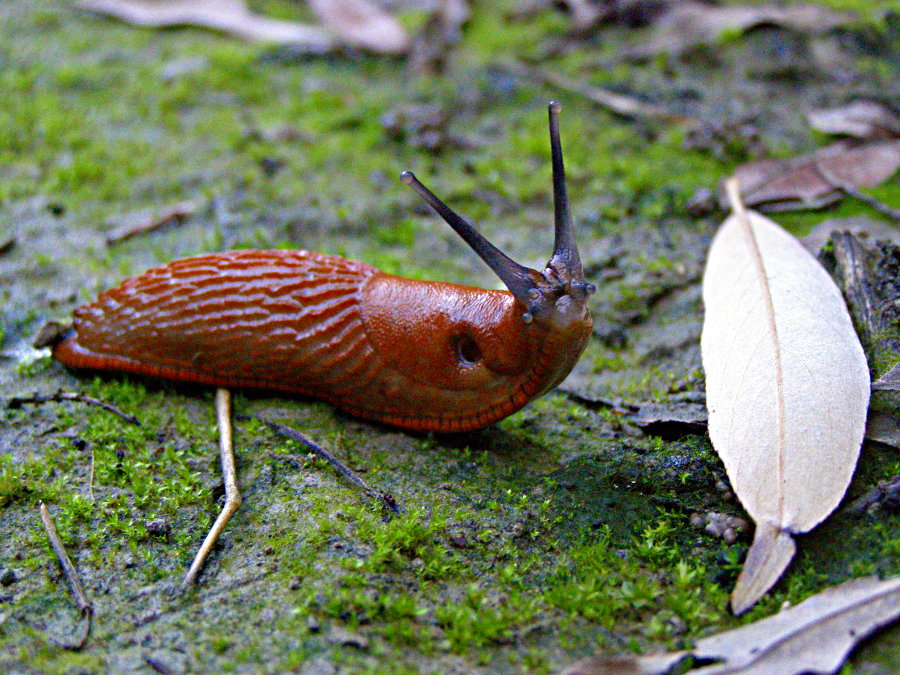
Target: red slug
(419, 355)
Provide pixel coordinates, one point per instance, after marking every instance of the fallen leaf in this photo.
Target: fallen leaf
(890, 381)
(671, 421)
(884, 496)
(816, 636)
(652, 664)
(228, 16)
(787, 387)
(866, 229)
(865, 120)
(442, 30)
(689, 24)
(867, 272)
(798, 183)
(362, 24)
(585, 14)
(883, 427)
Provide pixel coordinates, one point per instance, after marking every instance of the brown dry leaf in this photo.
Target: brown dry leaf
(865, 120)
(816, 636)
(798, 183)
(787, 387)
(689, 24)
(229, 16)
(362, 24)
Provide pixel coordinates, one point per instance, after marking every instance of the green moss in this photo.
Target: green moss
(526, 545)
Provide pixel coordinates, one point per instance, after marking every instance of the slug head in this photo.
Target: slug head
(558, 295)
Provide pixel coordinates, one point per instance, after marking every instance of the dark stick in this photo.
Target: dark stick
(385, 498)
(84, 605)
(173, 214)
(851, 191)
(58, 397)
(617, 103)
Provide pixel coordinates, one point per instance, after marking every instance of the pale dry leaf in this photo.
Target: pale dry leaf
(885, 495)
(585, 14)
(670, 421)
(890, 381)
(787, 387)
(866, 120)
(360, 23)
(228, 16)
(867, 229)
(884, 427)
(816, 636)
(799, 183)
(689, 23)
(650, 664)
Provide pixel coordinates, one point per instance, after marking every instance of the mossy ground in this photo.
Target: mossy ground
(559, 531)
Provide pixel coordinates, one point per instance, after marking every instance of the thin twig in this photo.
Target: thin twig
(58, 397)
(84, 605)
(158, 665)
(150, 222)
(91, 477)
(847, 189)
(620, 104)
(384, 497)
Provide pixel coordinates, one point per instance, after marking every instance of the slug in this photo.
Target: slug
(419, 355)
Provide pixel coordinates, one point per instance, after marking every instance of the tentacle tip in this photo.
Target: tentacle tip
(555, 107)
(407, 178)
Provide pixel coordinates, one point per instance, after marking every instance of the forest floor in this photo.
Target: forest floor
(563, 531)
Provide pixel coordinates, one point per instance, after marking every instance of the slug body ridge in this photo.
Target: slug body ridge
(419, 355)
